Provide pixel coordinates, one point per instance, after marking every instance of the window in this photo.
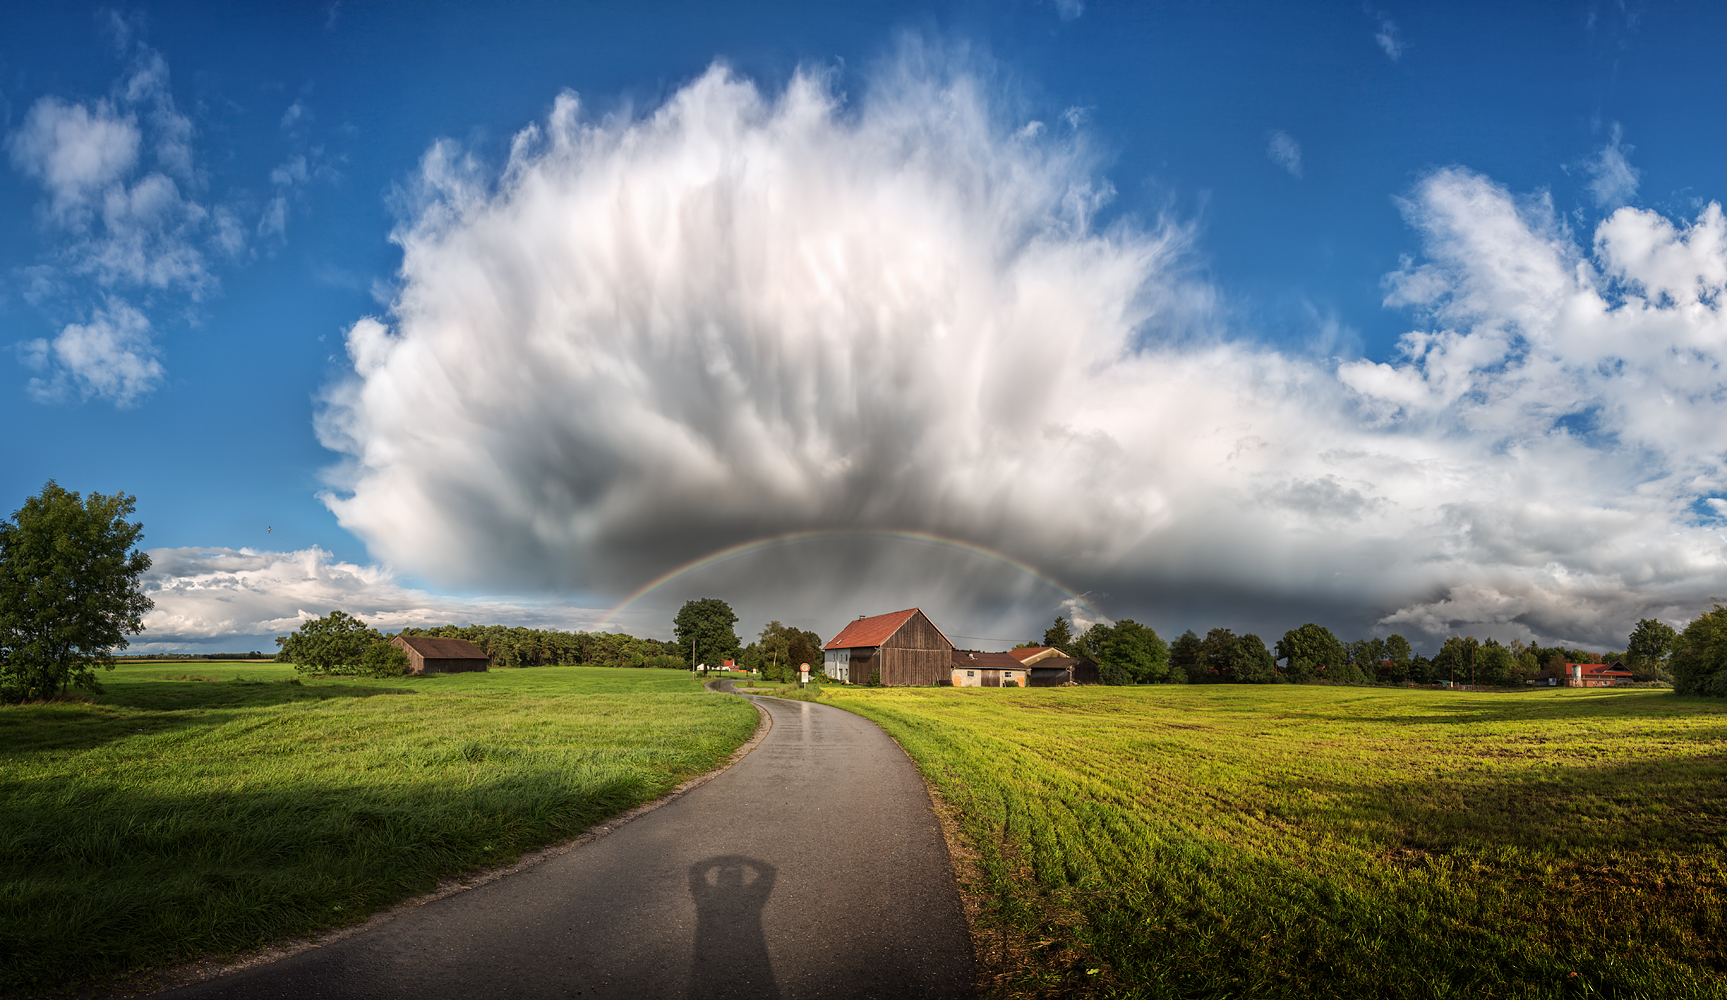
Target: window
(971, 673)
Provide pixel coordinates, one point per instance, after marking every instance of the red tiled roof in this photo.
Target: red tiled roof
(1028, 652)
(443, 649)
(875, 631)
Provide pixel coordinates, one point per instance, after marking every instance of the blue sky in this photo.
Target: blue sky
(1273, 196)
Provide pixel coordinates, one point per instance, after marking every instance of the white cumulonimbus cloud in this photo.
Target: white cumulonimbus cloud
(236, 600)
(740, 315)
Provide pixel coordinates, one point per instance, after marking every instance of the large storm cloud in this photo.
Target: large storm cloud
(647, 338)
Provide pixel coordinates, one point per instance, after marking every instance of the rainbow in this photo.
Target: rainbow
(794, 537)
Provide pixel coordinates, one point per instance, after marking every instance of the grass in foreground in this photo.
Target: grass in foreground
(210, 808)
(1234, 841)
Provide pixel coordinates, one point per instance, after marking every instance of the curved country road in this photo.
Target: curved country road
(813, 867)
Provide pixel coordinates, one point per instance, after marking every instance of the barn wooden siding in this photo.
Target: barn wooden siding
(916, 654)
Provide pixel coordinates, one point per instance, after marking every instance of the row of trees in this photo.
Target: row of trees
(508, 646)
(1130, 653)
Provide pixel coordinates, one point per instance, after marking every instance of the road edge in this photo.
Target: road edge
(173, 977)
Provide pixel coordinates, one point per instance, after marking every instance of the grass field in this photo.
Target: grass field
(1297, 841)
(209, 808)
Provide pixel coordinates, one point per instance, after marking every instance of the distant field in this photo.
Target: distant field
(1296, 841)
(211, 807)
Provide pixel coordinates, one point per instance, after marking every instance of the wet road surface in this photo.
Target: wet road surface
(813, 867)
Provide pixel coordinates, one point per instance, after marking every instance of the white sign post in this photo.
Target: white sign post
(803, 674)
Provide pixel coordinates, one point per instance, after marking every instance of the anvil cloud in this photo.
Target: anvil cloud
(646, 338)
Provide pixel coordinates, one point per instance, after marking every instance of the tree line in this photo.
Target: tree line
(1130, 653)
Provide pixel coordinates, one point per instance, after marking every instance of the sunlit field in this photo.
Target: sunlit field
(211, 807)
(1297, 841)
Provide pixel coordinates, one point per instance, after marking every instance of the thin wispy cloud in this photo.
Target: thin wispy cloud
(1389, 38)
(1613, 180)
(1284, 151)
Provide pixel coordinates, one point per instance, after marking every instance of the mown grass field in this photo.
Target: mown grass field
(209, 808)
(1298, 841)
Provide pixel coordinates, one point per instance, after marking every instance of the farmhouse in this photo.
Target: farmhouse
(898, 649)
(991, 670)
(1580, 675)
(427, 655)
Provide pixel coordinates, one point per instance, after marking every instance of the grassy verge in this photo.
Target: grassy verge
(209, 808)
(1236, 841)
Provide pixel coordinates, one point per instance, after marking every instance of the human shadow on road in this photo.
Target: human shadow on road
(730, 958)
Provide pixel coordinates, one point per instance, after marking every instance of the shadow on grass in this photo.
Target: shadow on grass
(121, 878)
(134, 708)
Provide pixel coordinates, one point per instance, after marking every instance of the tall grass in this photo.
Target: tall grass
(181, 814)
(1224, 841)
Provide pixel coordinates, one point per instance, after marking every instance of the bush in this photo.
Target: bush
(1699, 660)
(1114, 674)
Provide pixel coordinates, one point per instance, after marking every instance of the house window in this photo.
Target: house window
(971, 673)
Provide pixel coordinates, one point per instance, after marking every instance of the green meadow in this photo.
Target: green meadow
(198, 808)
(1305, 841)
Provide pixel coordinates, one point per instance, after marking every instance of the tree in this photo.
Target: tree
(707, 624)
(1494, 664)
(1311, 652)
(340, 643)
(1647, 650)
(1699, 657)
(69, 591)
(1134, 648)
(1256, 664)
(1397, 650)
(1187, 656)
(1059, 636)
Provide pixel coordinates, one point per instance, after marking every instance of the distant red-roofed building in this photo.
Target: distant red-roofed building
(898, 649)
(1585, 675)
(1031, 654)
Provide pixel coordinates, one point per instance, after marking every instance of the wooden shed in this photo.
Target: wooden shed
(903, 648)
(427, 655)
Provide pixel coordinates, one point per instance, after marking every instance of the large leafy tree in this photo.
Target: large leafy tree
(1312, 652)
(705, 624)
(69, 591)
(1130, 649)
(1699, 658)
(1647, 650)
(340, 643)
(1187, 655)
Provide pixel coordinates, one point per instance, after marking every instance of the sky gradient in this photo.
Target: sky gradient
(1398, 319)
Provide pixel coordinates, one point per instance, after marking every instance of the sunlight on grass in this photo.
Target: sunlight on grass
(1294, 841)
(173, 817)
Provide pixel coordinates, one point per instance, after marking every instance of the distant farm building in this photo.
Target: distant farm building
(991, 670)
(1047, 667)
(427, 655)
(898, 649)
(1585, 675)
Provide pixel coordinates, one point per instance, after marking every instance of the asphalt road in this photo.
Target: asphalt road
(814, 867)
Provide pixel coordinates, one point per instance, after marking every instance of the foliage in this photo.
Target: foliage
(174, 818)
(704, 625)
(1187, 656)
(1059, 636)
(1647, 649)
(784, 647)
(337, 643)
(1312, 653)
(69, 591)
(1134, 648)
(1297, 843)
(1699, 657)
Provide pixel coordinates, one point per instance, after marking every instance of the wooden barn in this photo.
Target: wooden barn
(904, 647)
(1046, 667)
(427, 655)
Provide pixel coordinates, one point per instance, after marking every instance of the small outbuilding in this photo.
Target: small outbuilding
(972, 668)
(898, 649)
(427, 655)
